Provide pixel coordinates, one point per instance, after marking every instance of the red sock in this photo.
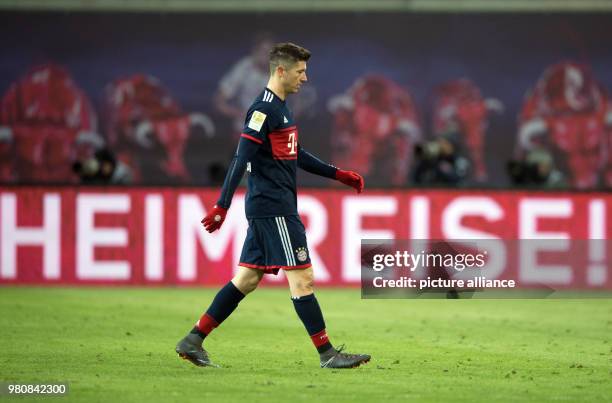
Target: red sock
(321, 341)
(206, 324)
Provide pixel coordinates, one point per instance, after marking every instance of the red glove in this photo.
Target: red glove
(214, 218)
(350, 178)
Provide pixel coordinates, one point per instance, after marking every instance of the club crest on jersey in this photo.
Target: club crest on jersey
(257, 120)
(302, 253)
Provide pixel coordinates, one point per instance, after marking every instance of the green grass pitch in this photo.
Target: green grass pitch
(117, 345)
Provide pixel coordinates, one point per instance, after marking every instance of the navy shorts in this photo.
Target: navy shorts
(274, 243)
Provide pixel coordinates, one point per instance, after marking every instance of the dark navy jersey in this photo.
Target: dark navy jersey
(272, 179)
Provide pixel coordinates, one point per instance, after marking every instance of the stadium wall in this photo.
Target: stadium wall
(153, 236)
(232, 6)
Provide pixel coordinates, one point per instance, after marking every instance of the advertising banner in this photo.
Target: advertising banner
(153, 236)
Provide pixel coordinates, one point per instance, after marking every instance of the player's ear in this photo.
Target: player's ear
(280, 70)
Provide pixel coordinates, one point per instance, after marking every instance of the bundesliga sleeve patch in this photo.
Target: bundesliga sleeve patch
(257, 120)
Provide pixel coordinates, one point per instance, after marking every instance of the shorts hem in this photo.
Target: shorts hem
(274, 268)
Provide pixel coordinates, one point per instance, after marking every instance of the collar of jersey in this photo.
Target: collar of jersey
(276, 96)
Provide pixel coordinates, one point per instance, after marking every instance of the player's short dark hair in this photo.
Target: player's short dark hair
(288, 54)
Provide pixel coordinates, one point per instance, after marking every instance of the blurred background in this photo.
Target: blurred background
(409, 93)
(446, 107)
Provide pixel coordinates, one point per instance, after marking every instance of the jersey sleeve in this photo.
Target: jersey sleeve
(314, 165)
(261, 119)
(245, 151)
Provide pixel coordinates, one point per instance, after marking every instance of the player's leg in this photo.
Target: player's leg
(225, 302)
(301, 283)
(301, 286)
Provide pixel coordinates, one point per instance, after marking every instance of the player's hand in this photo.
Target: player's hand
(350, 178)
(214, 218)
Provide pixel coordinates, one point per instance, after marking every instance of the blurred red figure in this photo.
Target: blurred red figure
(568, 112)
(460, 108)
(148, 128)
(7, 156)
(46, 120)
(375, 127)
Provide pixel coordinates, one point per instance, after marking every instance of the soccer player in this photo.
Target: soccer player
(276, 238)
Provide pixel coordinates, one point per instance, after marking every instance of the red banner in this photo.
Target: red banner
(153, 236)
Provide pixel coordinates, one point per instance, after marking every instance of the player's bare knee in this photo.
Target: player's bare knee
(307, 287)
(304, 283)
(247, 280)
(245, 285)
(252, 283)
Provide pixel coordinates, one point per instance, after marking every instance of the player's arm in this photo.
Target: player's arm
(245, 151)
(257, 126)
(314, 165)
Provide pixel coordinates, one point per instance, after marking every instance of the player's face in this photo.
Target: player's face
(294, 77)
